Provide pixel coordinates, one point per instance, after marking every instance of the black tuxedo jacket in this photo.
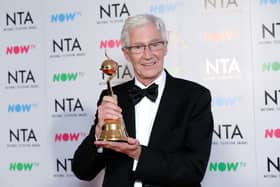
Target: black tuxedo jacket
(179, 145)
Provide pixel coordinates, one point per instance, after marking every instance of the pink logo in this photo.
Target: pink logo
(272, 133)
(19, 49)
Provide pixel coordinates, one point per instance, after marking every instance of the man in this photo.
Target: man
(169, 137)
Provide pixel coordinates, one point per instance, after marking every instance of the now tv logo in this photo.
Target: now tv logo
(22, 166)
(163, 8)
(226, 166)
(271, 66)
(20, 107)
(67, 76)
(110, 44)
(272, 133)
(65, 17)
(68, 137)
(219, 36)
(269, 2)
(226, 101)
(19, 49)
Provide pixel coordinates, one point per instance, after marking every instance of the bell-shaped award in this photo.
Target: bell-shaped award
(113, 129)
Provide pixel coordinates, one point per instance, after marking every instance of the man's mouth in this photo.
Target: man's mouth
(149, 64)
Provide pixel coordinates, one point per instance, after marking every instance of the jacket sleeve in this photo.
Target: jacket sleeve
(87, 162)
(187, 164)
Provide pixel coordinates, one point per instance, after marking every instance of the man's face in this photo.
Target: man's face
(147, 64)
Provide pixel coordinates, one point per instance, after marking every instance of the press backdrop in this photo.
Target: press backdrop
(51, 52)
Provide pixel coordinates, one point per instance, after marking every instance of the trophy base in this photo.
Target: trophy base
(113, 130)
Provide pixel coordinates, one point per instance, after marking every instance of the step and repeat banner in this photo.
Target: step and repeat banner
(50, 56)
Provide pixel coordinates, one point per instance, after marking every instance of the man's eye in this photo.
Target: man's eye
(154, 44)
(138, 47)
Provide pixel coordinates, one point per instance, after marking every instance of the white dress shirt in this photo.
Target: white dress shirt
(145, 113)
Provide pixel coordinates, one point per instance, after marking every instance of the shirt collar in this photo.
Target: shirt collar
(160, 81)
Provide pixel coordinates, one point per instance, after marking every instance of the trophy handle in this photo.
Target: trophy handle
(109, 88)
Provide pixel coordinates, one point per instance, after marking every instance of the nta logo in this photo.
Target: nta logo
(271, 30)
(22, 135)
(228, 131)
(63, 165)
(21, 76)
(66, 45)
(115, 10)
(272, 96)
(220, 4)
(68, 105)
(222, 66)
(273, 164)
(19, 18)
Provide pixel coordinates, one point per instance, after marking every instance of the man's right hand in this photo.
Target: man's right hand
(108, 109)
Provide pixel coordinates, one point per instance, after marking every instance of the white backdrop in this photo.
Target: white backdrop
(51, 52)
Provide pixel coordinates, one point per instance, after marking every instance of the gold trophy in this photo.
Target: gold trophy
(113, 129)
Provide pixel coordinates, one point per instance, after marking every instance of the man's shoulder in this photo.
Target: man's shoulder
(185, 84)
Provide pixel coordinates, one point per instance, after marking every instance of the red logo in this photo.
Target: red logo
(272, 133)
(219, 36)
(68, 137)
(19, 49)
(110, 44)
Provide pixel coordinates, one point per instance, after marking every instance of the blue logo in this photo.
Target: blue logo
(18, 108)
(226, 101)
(269, 2)
(65, 17)
(164, 8)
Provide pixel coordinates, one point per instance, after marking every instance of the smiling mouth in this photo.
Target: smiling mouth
(149, 64)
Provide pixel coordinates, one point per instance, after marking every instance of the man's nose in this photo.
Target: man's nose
(147, 51)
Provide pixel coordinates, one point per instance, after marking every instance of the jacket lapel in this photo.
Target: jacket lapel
(129, 112)
(161, 123)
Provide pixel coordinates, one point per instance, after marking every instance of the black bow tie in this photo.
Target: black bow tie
(137, 93)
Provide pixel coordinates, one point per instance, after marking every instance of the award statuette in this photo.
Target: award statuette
(113, 129)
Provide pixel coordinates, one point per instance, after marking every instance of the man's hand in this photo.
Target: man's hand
(108, 109)
(132, 148)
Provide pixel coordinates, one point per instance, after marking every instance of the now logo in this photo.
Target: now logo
(272, 133)
(67, 137)
(110, 44)
(225, 166)
(64, 77)
(225, 101)
(64, 17)
(272, 66)
(22, 166)
(20, 107)
(19, 49)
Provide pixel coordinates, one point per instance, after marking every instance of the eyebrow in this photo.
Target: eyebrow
(141, 43)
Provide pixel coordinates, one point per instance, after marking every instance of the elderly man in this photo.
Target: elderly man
(169, 124)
